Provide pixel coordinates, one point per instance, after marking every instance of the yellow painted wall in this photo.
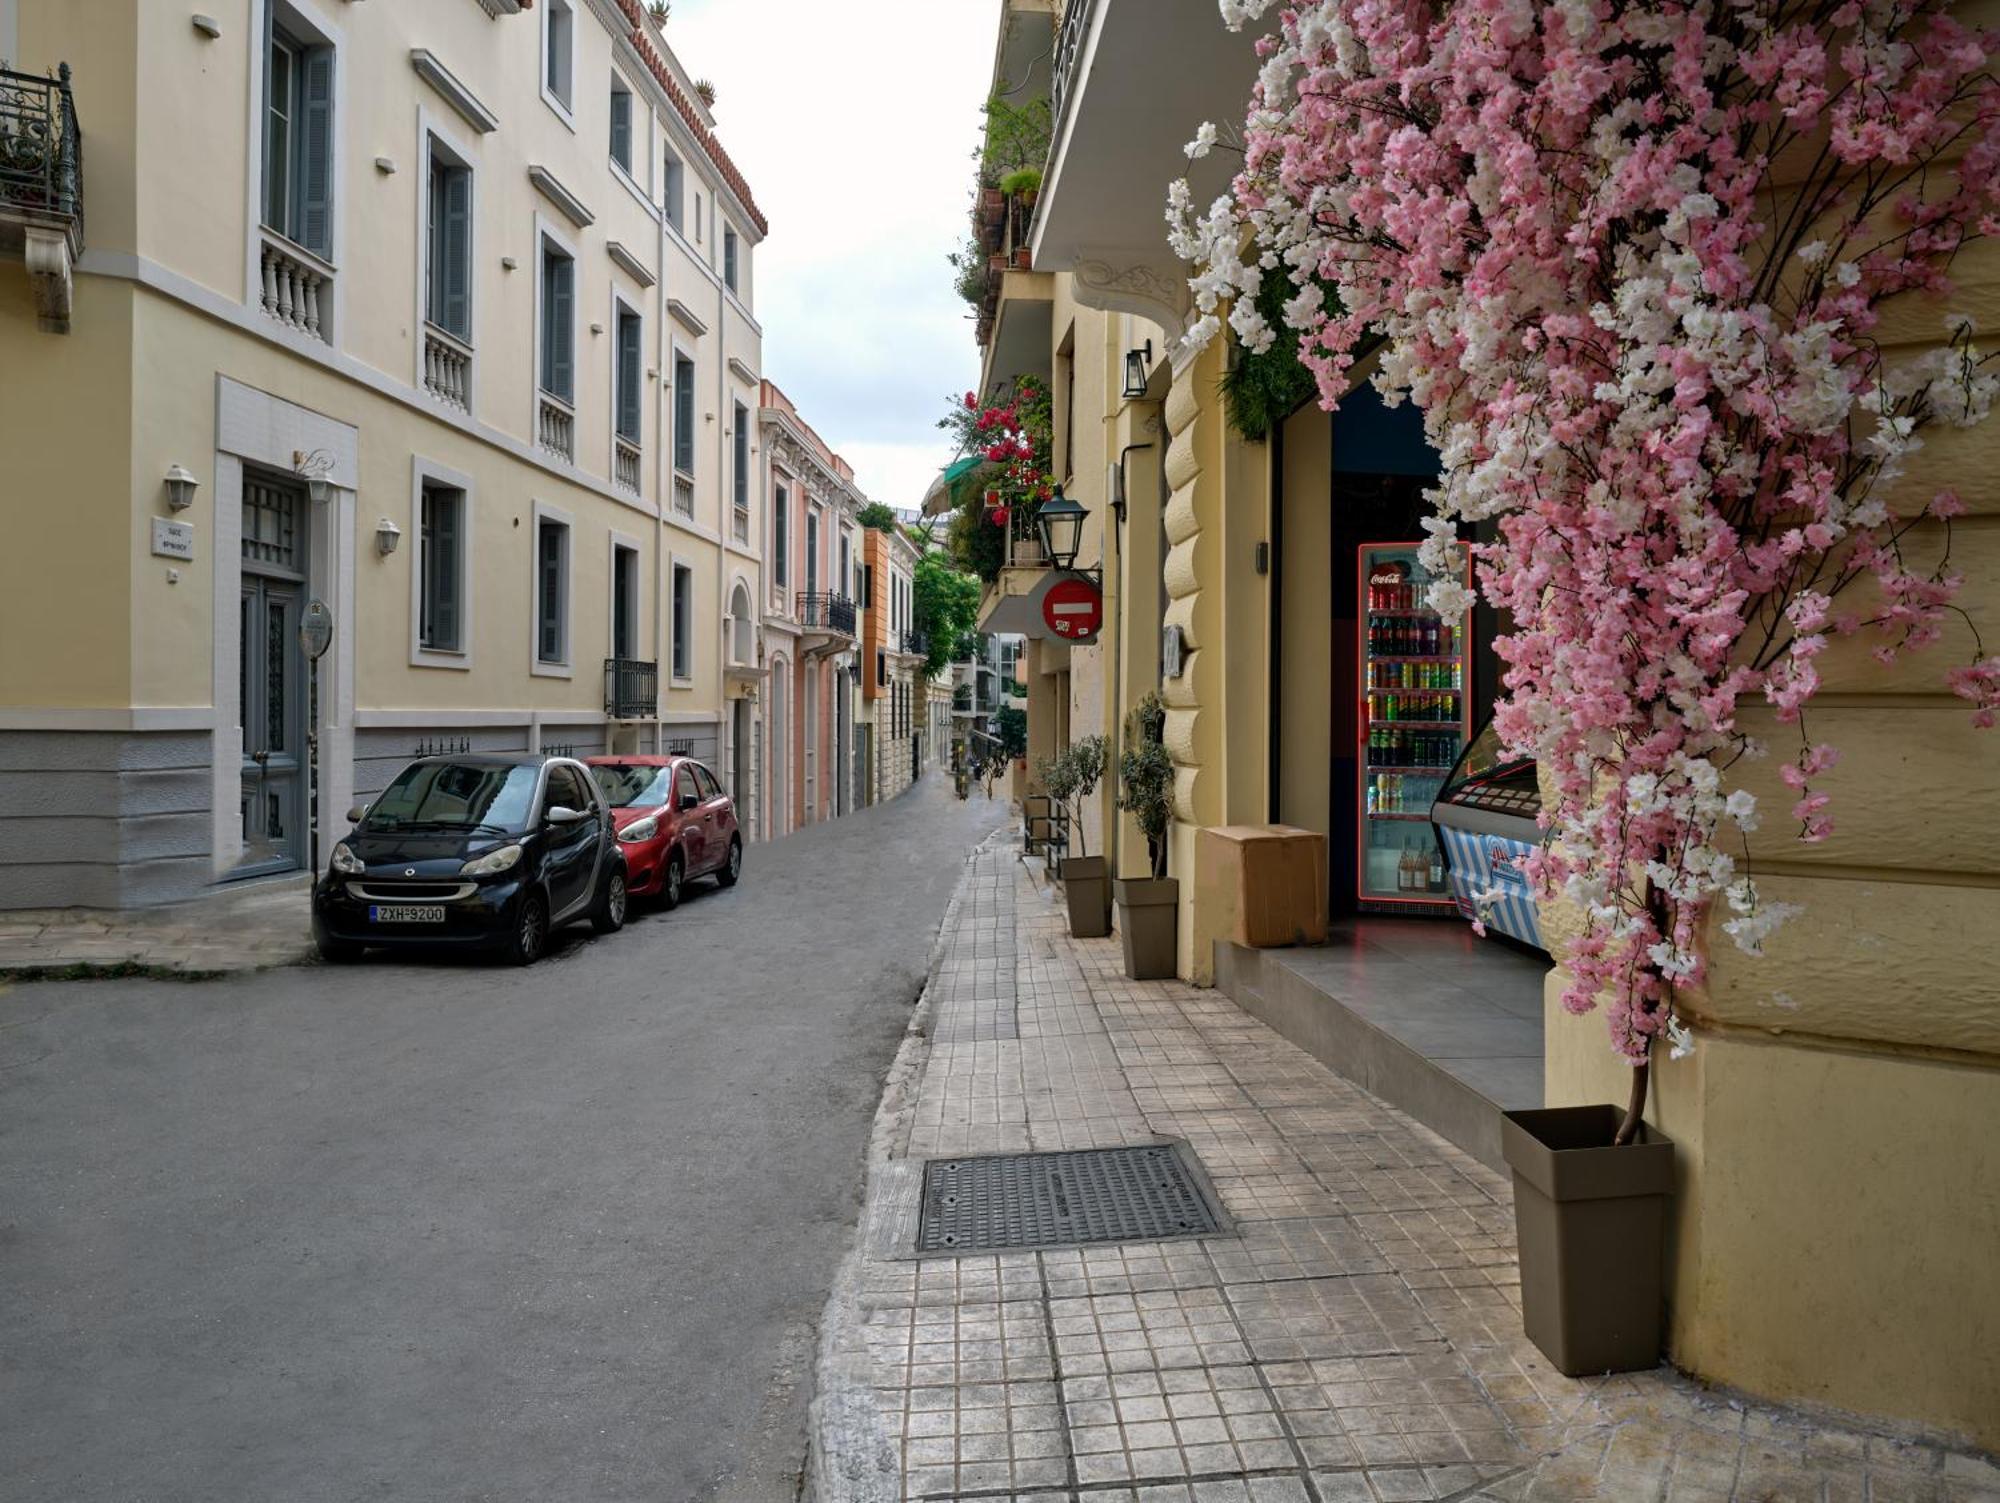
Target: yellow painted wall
(1306, 689)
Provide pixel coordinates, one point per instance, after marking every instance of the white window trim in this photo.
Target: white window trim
(422, 470)
(624, 540)
(738, 580)
(666, 149)
(620, 303)
(781, 565)
(677, 561)
(545, 228)
(427, 128)
(564, 112)
(304, 15)
(543, 512)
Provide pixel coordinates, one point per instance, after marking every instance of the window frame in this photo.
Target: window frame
(547, 236)
(673, 187)
(306, 31)
(680, 636)
(426, 473)
(685, 423)
(621, 88)
(740, 468)
(538, 665)
(563, 102)
(732, 252)
(781, 534)
(624, 543)
(434, 143)
(623, 308)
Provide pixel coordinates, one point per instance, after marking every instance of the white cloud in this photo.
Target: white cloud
(855, 128)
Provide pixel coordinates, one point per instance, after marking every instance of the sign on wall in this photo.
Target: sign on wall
(1073, 609)
(173, 539)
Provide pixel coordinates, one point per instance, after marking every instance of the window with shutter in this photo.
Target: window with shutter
(629, 353)
(558, 322)
(729, 259)
(315, 219)
(740, 465)
(683, 620)
(560, 26)
(621, 123)
(551, 592)
(448, 280)
(671, 187)
(442, 567)
(781, 536)
(625, 602)
(683, 414)
(279, 133)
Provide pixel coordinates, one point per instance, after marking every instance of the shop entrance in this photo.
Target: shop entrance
(272, 678)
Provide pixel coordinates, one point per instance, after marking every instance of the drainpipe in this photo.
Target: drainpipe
(1274, 531)
(1118, 664)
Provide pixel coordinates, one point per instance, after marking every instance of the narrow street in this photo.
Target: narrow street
(443, 1230)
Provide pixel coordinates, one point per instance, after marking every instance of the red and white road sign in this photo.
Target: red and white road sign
(1073, 609)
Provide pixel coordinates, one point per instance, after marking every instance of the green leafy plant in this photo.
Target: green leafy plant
(1086, 765)
(1026, 180)
(1146, 778)
(877, 515)
(1259, 391)
(1011, 726)
(658, 10)
(946, 604)
(968, 268)
(1017, 137)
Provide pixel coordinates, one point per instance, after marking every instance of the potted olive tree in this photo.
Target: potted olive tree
(1086, 879)
(1148, 907)
(1057, 775)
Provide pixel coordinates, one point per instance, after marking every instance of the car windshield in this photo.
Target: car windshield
(627, 785)
(456, 795)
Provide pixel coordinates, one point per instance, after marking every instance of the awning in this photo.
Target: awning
(943, 494)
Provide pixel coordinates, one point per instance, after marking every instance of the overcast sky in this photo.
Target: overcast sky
(855, 125)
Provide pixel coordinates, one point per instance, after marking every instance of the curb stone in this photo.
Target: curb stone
(851, 1457)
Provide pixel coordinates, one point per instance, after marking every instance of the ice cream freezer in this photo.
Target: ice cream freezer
(1484, 816)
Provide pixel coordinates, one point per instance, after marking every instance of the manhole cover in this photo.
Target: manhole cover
(1018, 1200)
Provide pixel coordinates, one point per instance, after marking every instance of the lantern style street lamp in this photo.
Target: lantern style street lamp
(1135, 371)
(1060, 522)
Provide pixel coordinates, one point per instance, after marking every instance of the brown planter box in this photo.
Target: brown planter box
(1023, 258)
(1589, 1220)
(1148, 915)
(1265, 883)
(1086, 884)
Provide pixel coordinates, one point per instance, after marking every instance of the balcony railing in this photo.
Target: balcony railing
(296, 284)
(827, 612)
(41, 149)
(683, 493)
(447, 367)
(555, 426)
(625, 464)
(917, 644)
(1068, 57)
(631, 689)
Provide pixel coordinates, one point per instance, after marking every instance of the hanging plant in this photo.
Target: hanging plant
(1261, 388)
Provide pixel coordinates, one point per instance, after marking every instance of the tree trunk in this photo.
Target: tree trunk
(1635, 1106)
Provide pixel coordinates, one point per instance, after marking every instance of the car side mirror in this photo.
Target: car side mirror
(690, 801)
(562, 814)
(356, 814)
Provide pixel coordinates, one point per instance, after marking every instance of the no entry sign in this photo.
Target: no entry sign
(1073, 609)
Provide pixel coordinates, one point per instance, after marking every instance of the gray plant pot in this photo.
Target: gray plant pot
(1086, 884)
(1589, 1219)
(1148, 914)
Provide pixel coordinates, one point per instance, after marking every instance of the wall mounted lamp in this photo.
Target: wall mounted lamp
(181, 487)
(1136, 362)
(1060, 521)
(315, 467)
(387, 536)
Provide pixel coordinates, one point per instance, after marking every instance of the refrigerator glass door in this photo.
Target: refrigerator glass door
(1415, 683)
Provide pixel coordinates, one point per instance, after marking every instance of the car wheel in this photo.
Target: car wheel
(670, 883)
(608, 917)
(337, 951)
(530, 936)
(732, 864)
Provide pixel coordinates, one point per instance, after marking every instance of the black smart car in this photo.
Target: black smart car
(492, 851)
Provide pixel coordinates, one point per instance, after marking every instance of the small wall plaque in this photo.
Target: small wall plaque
(173, 539)
(1173, 652)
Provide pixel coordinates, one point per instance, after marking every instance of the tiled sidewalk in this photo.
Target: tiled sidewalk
(239, 927)
(1357, 1336)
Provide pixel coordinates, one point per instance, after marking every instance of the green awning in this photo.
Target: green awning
(944, 491)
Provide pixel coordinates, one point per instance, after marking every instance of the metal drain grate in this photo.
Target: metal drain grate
(1017, 1200)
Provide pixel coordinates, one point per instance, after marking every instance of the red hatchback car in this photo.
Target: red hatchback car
(674, 823)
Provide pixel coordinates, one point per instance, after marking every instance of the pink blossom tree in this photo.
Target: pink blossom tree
(1628, 259)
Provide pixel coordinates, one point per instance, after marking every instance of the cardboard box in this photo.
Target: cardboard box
(1268, 880)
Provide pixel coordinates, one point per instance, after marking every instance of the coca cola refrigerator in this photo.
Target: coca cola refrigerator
(1415, 679)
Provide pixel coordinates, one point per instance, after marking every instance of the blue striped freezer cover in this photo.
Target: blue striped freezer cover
(1487, 863)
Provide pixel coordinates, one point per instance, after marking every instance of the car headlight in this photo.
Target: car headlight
(346, 862)
(641, 829)
(491, 862)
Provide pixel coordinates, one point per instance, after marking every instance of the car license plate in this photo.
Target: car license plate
(406, 913)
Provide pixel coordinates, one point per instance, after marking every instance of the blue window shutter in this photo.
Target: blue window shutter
(457, 289)
(684, 416)
(444, 542)
(559, 285)
(621, 128)
(315, 226)
(628, 376)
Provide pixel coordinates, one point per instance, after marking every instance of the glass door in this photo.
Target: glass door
(1414, 680)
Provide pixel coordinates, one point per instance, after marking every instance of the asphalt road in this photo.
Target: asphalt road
(437, 1230)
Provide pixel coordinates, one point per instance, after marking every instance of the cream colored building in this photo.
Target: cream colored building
(1838, 1213)
(438, 314)
(810, 623)
(895, 694)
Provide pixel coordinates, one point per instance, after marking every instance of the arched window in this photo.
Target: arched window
(742, 632)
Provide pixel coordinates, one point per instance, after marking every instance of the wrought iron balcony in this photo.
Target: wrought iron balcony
(825, 612)
(631, 689)
(41, 186)
(917, 644)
